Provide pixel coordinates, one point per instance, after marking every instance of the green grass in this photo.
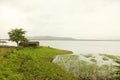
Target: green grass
(117, 72)
(29, 63)
(1, 49)
(111, 56)
(93, 60)
(32, 64)
(84, 70)
(88, 56)
(105, 58)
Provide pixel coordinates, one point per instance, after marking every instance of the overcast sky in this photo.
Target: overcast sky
(84, 19)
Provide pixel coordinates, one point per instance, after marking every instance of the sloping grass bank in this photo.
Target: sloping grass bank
(32, 64)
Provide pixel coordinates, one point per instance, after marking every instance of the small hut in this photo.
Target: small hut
(32, 44)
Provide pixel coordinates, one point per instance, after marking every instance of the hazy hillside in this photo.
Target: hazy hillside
(50, 38)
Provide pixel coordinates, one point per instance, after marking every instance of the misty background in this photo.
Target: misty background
(82, 19)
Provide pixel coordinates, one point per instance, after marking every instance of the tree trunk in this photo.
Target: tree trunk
(17, 44)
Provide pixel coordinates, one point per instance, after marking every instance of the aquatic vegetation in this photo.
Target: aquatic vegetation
(105, 58)
(84, 69)
(93, 60)
(117, 71)
(111, 56)
(88, 55)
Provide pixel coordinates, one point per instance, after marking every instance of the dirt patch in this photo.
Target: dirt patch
(1, 54)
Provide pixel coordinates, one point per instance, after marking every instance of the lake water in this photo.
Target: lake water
(84, 47)
(95, 47)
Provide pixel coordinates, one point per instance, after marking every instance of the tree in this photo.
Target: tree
(17, 35)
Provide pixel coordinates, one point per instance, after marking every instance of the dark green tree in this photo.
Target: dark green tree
(17, 35)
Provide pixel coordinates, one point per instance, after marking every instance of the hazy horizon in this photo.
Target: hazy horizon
(62, 38)
(81, 19)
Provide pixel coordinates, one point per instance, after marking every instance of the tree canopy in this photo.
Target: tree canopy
(17, 35)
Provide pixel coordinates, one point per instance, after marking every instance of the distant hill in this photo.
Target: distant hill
(65, 38)
(49, 38)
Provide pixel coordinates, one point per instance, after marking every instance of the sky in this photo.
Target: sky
(82, 19)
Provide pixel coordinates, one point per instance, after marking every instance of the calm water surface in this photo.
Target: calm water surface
(78, 47)
(84, 47)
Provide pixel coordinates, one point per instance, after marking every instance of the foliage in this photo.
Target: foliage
(32, 64)
(17, 35)
(105, 58)
(89, 55)
(117, 72)
(83, 69)
(29, 63)
(93, 60)
(111, 56)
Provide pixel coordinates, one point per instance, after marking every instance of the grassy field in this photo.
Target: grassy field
(32, 64)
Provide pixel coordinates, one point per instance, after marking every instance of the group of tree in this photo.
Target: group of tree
(17, 35)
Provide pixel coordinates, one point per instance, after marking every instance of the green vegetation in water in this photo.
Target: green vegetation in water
(111, 56)
(105, 58)
(83, 69)
(93, 60)
(88, 56)
(32, 64)
(117, 72)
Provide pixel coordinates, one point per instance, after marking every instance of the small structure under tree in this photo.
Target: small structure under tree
(32, 44)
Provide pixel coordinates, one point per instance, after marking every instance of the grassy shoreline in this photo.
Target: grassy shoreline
(32, 64)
